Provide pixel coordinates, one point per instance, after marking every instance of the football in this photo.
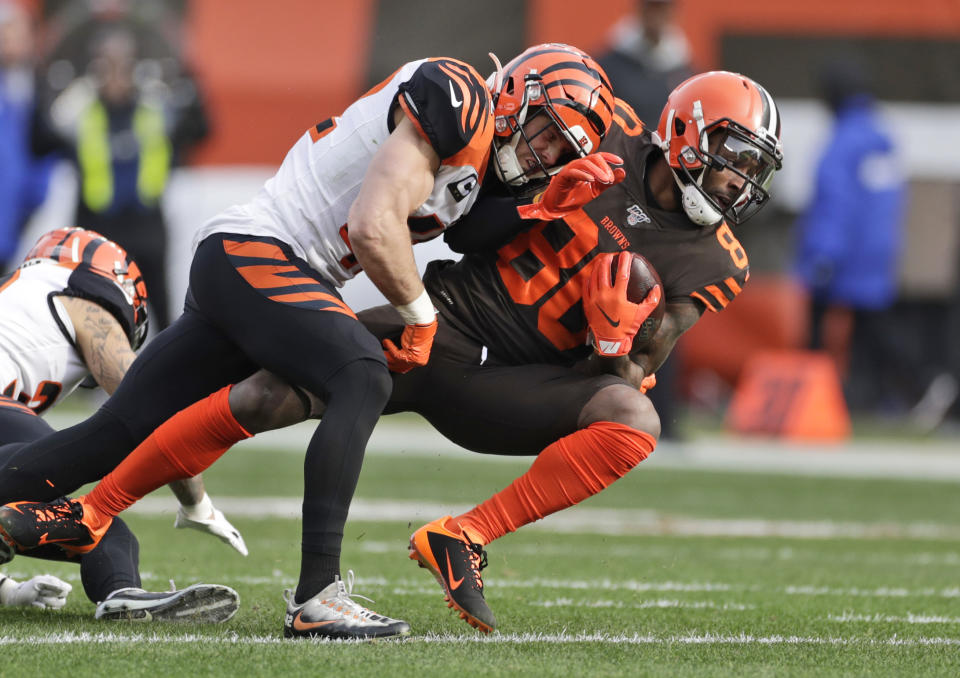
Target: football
(643, 277)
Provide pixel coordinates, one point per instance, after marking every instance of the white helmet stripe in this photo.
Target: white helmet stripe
(771, 116)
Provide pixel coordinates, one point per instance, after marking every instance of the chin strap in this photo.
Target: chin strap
(695, 204)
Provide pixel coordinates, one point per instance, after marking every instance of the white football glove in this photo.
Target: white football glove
(206, 518)
(44, 591)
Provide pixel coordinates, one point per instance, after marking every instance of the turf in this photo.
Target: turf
(568, 604)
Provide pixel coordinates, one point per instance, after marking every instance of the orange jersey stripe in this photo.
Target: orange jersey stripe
(13, 276)
(703, 299)
(322, 129)
(413, 118)
(260, 250)
(732, 284)
(718, 295)
(625, 118)
(267, 276)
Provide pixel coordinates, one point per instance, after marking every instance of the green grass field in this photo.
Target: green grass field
(653, 577)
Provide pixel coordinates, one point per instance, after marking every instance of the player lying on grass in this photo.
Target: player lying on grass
(401, 164)
(76, 308)
(512, 349)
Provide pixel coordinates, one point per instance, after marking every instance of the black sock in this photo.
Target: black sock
(317, 572)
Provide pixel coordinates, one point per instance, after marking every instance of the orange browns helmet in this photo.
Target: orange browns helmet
(720, 121)
(102, 272)
(551, 79)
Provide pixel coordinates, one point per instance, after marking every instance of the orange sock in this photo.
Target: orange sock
(565, 473)
(183, 446)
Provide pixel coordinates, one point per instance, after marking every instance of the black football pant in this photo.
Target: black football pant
(114, 563)
(482, 403)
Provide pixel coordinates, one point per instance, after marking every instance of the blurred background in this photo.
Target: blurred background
(214, 93)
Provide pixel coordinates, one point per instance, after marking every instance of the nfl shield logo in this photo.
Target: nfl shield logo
(636, 215)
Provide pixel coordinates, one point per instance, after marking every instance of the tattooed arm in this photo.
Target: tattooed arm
(101, 341)
(106, 351)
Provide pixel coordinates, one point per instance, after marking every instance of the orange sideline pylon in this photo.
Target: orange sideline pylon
(790, 394)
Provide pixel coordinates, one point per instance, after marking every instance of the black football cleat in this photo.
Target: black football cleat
(26, 525)
(456, 562)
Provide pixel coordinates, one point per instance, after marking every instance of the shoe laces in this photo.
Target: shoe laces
(60, 510)
(478, 561)
(345, 596)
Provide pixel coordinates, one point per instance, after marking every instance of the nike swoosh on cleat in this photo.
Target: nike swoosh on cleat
(300, 625)
(454, 583)
(613, 323)
(453, 96)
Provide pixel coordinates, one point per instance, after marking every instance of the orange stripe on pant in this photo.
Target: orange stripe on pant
(267, 276)
(15, 405)
(294, 297)
(253, 248)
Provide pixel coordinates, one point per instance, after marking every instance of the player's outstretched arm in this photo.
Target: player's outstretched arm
(399, 179)
(197, 512)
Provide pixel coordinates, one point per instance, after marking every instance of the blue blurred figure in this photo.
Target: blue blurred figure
(848, 247)
(850, 237)
(23, 178)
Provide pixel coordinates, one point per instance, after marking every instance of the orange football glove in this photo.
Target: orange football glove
(648, 382)
(579, 182)
(415, 344)
(613, 319)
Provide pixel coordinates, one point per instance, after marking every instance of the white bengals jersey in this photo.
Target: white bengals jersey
(306, 203)
(38, 360)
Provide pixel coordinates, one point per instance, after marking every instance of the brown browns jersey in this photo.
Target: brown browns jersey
(524, 300)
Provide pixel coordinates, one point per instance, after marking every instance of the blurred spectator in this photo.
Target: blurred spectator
(23, 179)
(649, 56)
(847, 255)
(123, 128)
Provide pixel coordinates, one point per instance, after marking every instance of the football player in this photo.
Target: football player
(516, 313)
(401, 164)
(76, 308)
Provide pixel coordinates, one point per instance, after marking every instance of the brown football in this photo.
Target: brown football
(643, 277)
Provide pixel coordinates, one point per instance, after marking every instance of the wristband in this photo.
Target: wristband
(420, 311)
(202, 510)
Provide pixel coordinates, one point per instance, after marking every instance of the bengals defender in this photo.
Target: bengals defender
(402, 163)
(76, 308)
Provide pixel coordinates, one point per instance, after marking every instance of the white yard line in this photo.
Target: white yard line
(909, 618)
(495, 638)
(581, 520)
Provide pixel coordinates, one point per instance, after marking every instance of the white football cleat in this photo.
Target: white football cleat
(333, 614)
(204, 603)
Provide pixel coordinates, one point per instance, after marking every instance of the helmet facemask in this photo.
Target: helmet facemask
(727, 147)
(567, 119)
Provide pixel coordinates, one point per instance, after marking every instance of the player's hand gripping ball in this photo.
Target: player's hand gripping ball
(623, 302)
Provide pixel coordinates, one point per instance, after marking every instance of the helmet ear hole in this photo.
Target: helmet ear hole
(679, 127)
